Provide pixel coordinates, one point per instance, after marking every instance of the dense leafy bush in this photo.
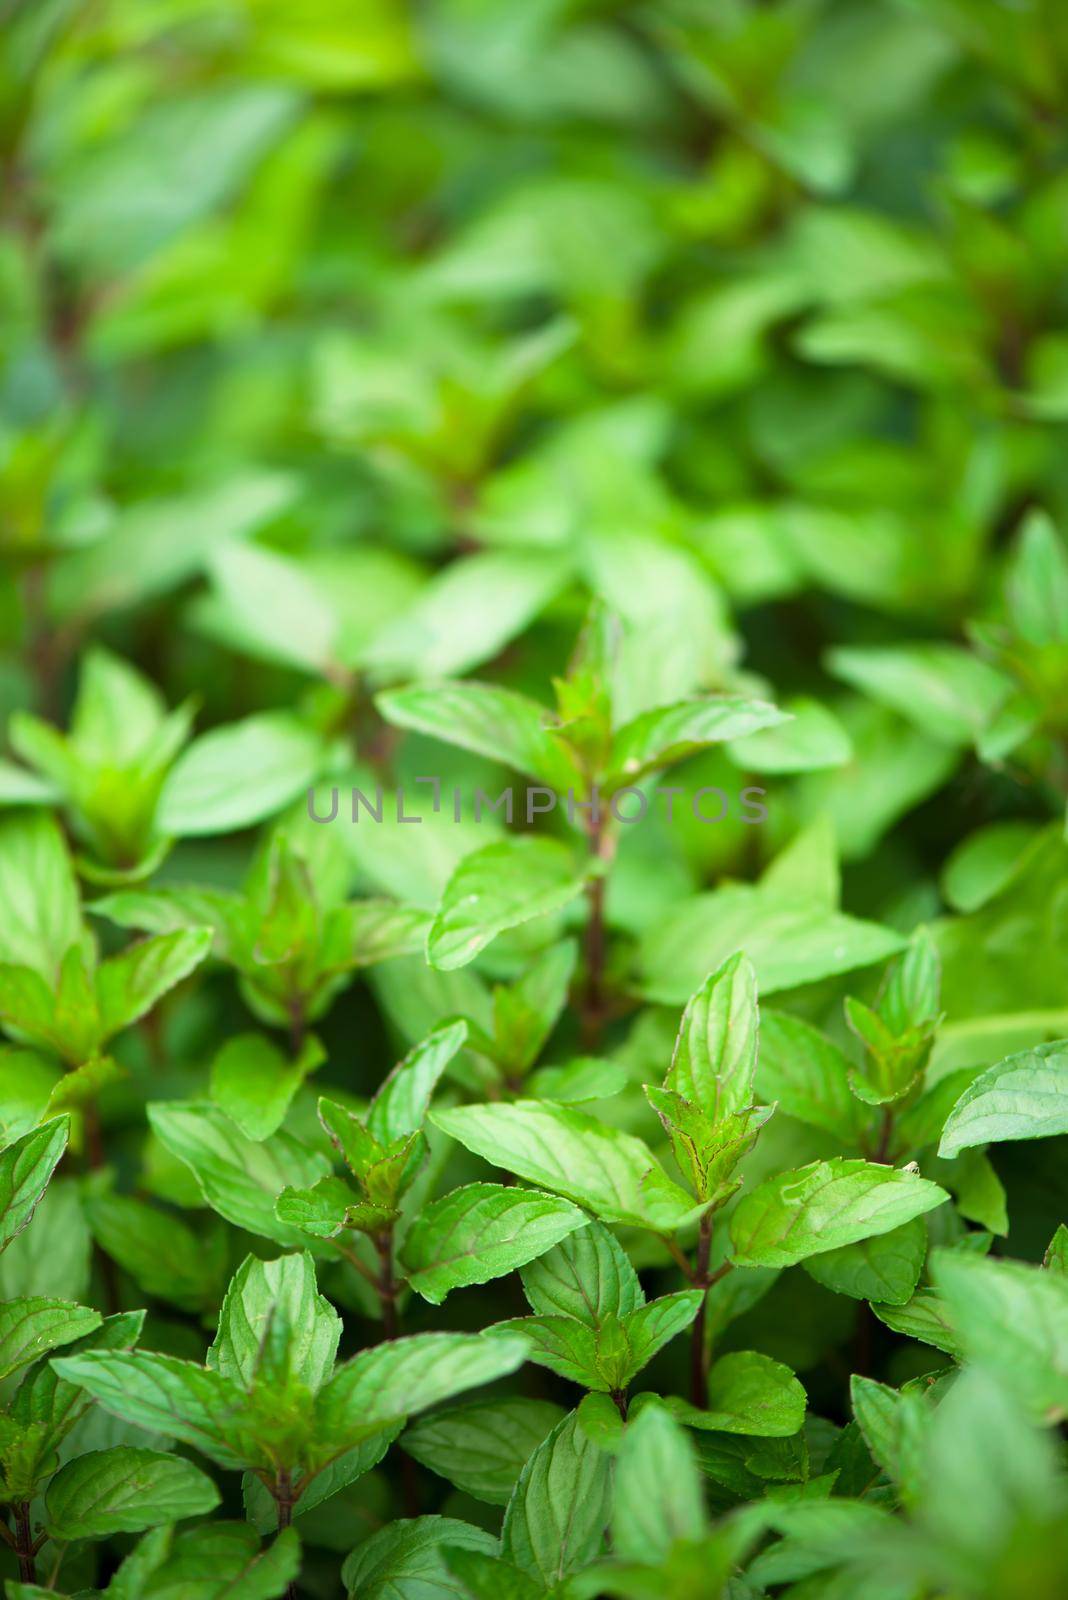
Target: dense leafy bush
(531, 553)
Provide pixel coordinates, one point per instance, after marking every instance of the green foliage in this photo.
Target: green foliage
(533, 871)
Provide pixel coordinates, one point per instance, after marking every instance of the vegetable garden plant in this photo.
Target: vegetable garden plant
(533, 881)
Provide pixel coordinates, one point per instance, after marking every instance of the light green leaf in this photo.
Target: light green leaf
(748, 1393)
(123, 1491)
(985, 863)
(254, 1082)
(482, 1447)
(822, 1206)
(394, 1380)
(609, 1172)
(481, 1231)
(807, 1076)
(667, 734)
(559, 1510)
(166, 1257)
(488, 720)
(653, 1326)
(945, 691)
(129, 985)
(239, 1178)
(1011, 1318)
(273, 606)
(924, 1317)
(497, 888)
(38, 893)
(812, 740)
(179, 1399)
(400, 1104)
(467, 613)
(30, 1327)
(25, 1168)
(885, 1268)
(273, 1314)
(587, 1276)
(716, 1050)
(789, 939)
(239, 774)
(894, 1424)
(1023, 1097)
(406, 1559)
(658, 1495)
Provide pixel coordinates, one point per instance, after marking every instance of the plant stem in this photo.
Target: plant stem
(297, 1025)
(24, 1547)
(620, 1398)
(387, 1284)
(886, 1134)
(698, 1359)
(593, 1002)
(282, 1490)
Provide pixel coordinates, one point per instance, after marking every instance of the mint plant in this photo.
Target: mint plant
(533, 866)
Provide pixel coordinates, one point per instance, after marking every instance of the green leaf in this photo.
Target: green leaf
(609, 1172)
(568, 1348)
(408, 1559)
(653, 1326)
(49, 1405)
(715, 1054)
(748, 1393)
(822, 1206)
(789, 939)
(168, 1396)
(254, 1082)
(216, 1561)
(322, 1211)
(658, 1494)
(811, 740)
(485, 1577)
(490, 721)
(924, 1317)
(579, 1082)
(38, 893)
(807, 1075)
(163, 1255)
(941, 689)
(130, 984)
(239, 1178)
(587, 1276)
(1013, 1320)
(497, 888)
(1037, 583)
(991, 1482)
(894, 1423)
(25, 1168)
(400, 1104)
(668, 734)
(560, 1508)
(985, 863)
(30, 1327)
(397, 1379)
(885, 1268)
(468, 613)
(237, 775)
(482, 1231)
(481, 1448)
(273, 1316)
(123, 1491)
(274, 607)
(1023, 1097)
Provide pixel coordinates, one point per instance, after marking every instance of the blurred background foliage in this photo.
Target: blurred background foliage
(345, 343)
